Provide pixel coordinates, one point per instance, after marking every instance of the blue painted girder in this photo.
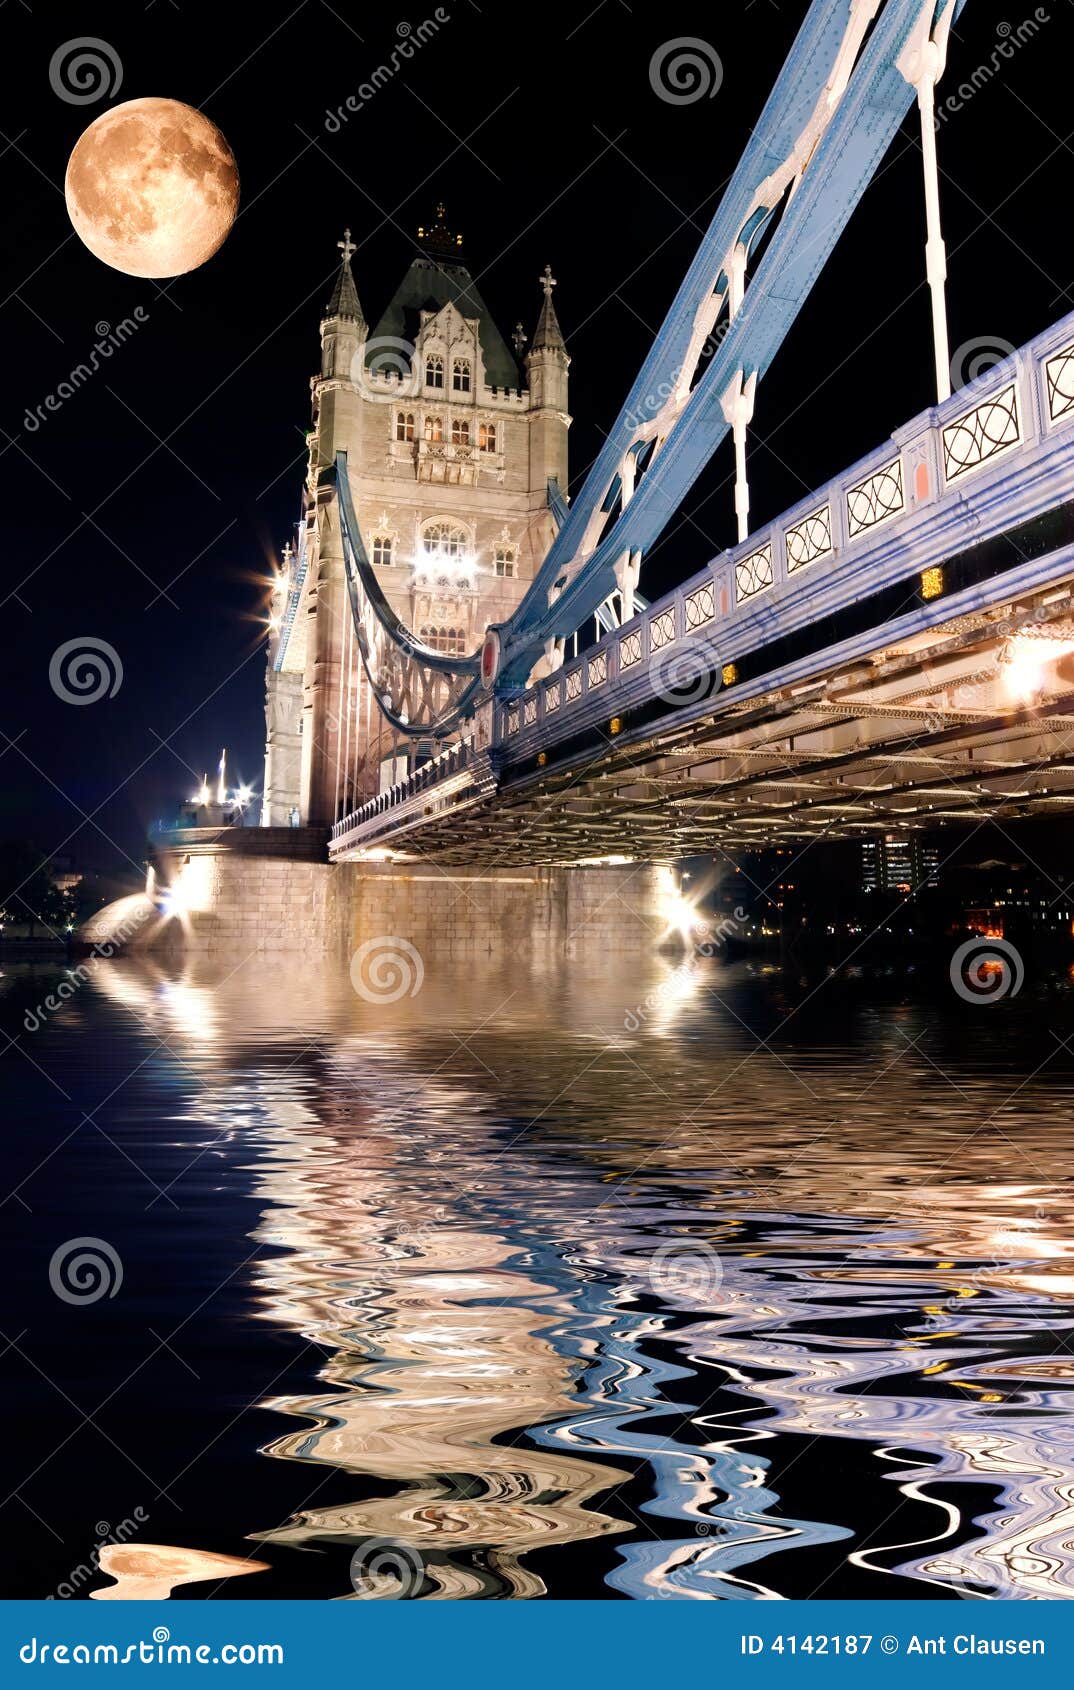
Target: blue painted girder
(865, 122)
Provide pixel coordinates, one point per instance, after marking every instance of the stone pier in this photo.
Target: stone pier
(236, 892)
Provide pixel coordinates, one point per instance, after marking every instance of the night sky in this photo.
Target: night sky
(146, 510)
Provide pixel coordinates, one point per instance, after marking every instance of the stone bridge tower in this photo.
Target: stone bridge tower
(450, 450)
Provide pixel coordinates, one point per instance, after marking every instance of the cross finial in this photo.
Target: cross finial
(346, 246)
(548, 281)
(519, 339)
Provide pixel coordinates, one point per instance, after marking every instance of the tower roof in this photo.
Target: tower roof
(344, 301)
(548, 336)
(429, 285)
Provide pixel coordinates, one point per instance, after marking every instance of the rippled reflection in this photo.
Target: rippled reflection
(465, 1198)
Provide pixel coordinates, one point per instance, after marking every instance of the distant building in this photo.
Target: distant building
(1006, 898)
(899, 863)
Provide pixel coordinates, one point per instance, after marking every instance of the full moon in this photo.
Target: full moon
(152, 188)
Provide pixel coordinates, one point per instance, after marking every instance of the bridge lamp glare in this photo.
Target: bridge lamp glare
(1025, 664)
(729, 674)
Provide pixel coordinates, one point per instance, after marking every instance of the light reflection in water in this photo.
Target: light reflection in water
(467, 1191)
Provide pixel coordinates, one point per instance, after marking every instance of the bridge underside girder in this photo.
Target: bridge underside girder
(971, 720)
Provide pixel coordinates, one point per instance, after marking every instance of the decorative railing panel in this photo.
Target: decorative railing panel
(809, 539)
(1059, 374)
(875, 499)
(753, 574)
(661, 630)
(700, 606)
(990, 428)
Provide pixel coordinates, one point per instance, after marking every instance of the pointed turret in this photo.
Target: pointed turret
(549, 335)
(344, 301)
(343, 326)
(547, 363)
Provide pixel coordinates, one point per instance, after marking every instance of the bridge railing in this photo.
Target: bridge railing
(831, 545)
(449, 762)
(930, 461)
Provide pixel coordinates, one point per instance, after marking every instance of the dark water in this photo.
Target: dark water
(482, 1294)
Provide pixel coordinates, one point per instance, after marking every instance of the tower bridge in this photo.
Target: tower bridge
(464, 669)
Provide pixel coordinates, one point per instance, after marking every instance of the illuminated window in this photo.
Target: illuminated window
(440, 539)
(488, 437)
(450, 640)
(460, 375)
(434, 428)
(460, 431)
(404, 425)
(503, 560)
(434, 371)
(383, 548)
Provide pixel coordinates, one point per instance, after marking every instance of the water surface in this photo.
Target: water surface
(564, 1280)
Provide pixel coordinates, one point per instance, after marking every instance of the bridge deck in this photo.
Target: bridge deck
(860, 659)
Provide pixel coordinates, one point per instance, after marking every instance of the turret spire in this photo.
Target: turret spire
(548, 335)
(344, 301)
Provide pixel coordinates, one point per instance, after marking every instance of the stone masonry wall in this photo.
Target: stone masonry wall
(234, 905)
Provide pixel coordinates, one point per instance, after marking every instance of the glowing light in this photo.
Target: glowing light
(931, 583)
(729, 674)
(191, 889)
(1026, 662)
(679, 912)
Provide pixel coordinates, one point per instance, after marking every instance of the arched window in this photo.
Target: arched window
(443, 540)
(460, 375)
(460, 431)
(488, 437)
(434, 370)
(404, 425)
(452, 640)
(434, 429)
(383, 550)
(503, 560)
